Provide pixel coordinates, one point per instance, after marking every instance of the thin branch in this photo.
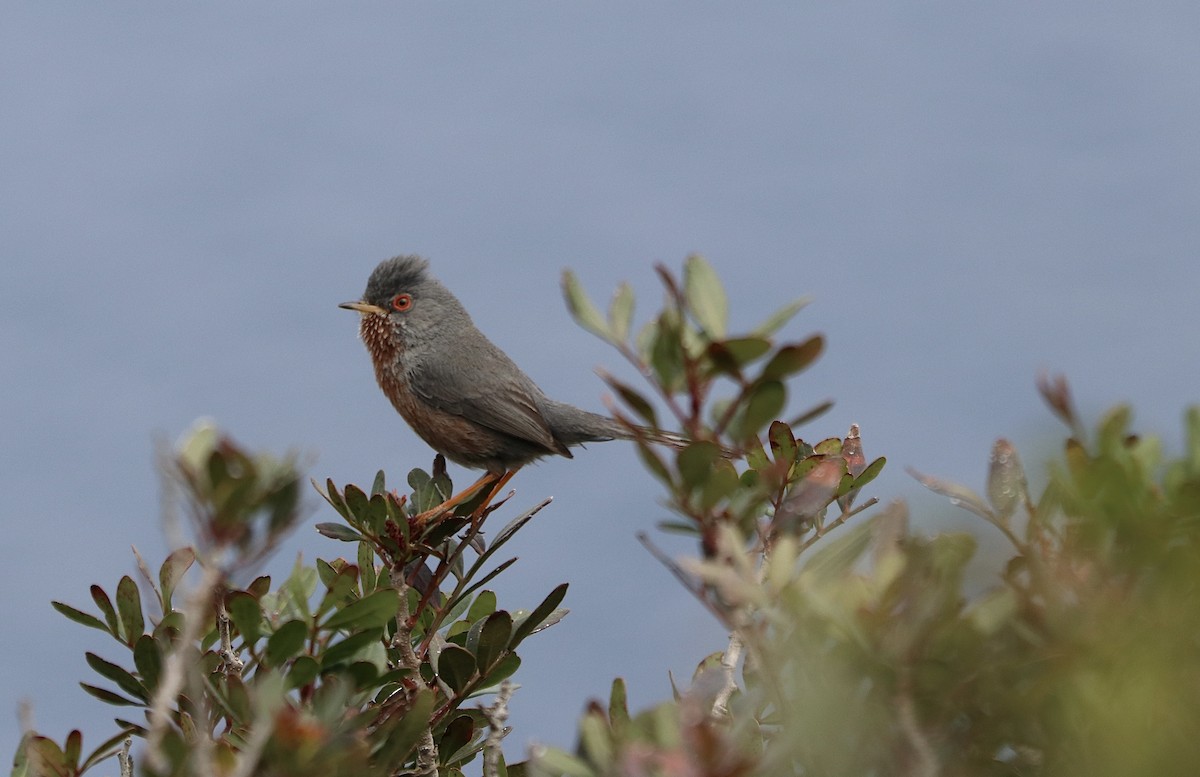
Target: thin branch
(689, 584)
(427, 751)
(231, 662)
(729, 662)
(648, 375)
(497, 715)
(124, 759)
(175, 672)
(925, 761)
(828, 527)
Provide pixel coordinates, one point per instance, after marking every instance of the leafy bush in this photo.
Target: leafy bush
(856, 653)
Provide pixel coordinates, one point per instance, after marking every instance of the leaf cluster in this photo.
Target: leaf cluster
(358, 666)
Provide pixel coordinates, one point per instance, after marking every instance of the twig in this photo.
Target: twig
(231, 663)
(648, 375)
(925, 759)
(692, 587)
(124, 759)
(729, 662)
(175, 671)
(427, 751)
(497, 715)
(826, 528)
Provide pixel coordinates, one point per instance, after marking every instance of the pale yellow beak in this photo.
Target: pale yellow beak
(365, 308)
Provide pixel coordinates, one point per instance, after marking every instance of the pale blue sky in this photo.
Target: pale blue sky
(970, 192)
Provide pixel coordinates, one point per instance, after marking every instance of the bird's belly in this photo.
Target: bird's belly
(458, 439)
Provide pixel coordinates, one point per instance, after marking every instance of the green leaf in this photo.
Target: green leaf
(595, 740)
(994, 611)
(666, 351)
(791, 359)
(586, 314)
(783, 442)
(559, 762)
(48, 756)
(348, 648)
(397, 741)
(633, 400)
(678, 527)
(370, 612)
(302, 672)
(541, 613)
(620, 313)
(108, 697)
(779, 318)
(379, 485)
(246, 614)
(287, 641)
(331, 495)
(840, 554)
(340, 587)
(458, 735)
(79, 616)
(762, 406)
(456, 667)
(721, 484)
(830, 446)
(73, 747)
(107, 610)
(960, 496)
(147, 657)
(483, 606)
(1006, 479)
(123, 678)
(710, 663)
(695, 462)
(259, 586)
(503, 669)
(1192, 424)
(950, 552)
(756, 455)
(426, 496)
(172, 571)
(744, 350)
(129, 608)
(463, 597)
(1114, 428)
(653, 462)
(368, 577)
(170, 627)
(618, 708)
(705, 296)
(811, 414)
(356, 503)
(493, 639)
(867, 475)
(106, 748)
(338, 531)
(230, 694)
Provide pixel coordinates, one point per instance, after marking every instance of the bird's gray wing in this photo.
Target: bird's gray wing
(486, 387)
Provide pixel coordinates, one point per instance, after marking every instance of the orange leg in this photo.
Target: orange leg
(496, 482)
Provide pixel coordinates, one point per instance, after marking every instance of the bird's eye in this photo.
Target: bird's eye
(402, 302)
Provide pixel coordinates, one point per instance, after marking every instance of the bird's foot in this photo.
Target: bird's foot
(489, 481)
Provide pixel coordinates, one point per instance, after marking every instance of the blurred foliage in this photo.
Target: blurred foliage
(361, 666)
(863, 655)
(851, 652)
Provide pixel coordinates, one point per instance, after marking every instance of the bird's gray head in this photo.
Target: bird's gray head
(416, 306)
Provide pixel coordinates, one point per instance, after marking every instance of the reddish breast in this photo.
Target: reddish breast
(458, 438)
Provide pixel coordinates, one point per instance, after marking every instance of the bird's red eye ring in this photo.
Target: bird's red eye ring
(402, 302)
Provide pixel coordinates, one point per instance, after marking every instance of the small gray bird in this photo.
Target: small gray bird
(457, 390)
